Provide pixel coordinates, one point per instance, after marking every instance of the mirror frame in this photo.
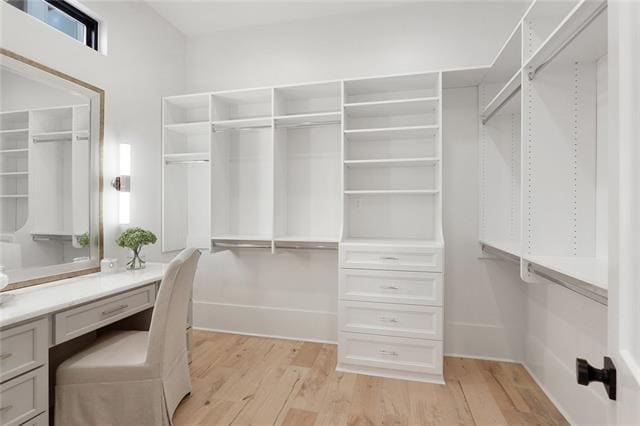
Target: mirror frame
(40, 275)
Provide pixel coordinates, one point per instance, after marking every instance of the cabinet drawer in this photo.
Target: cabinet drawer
(426, 259)
(24, 397)
(39, 420)
(415, 288)
(89, 317)
(387, 319)
(396, 353)
(23, 348)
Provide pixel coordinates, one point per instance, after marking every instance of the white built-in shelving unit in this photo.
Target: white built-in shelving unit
(392, 245)
(350, 165)
(543, 156)
(44, 169)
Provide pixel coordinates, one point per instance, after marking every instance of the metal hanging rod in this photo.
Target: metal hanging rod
(79, 138)
(308, 124)
(227, 129)
(564, 44)
(499, 107)
(203, 161)
(50, 237)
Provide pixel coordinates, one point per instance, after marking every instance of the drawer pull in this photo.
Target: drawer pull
(390, 287)
(114, 310)
(389, 319)
(6, 408)
(391, 353)
(5, 356)
(388, 258)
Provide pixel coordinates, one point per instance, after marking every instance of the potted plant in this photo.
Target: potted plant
(135, 239)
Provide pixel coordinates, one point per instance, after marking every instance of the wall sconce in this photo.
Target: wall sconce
(122, 184)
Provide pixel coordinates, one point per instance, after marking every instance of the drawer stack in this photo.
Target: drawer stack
(24, 374)
(390, 316)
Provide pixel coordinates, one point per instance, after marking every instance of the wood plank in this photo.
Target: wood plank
(255, 380)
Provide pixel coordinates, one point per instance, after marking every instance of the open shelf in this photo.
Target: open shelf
(542, 18)
(240, 241)
(51, 120)
(390, 114)
(508, 61)
(13, 152)
(307, 99)
(186, 109)
(14, 120)
(241, 104)
(306, 242)
(589, 270)
(242, 123)
(331, 117)
(14, 174)
(580, 37)
(187, 156)
(391, 88)
(13, 131)
(404, 132)
(507, 101)
(392, 107)
(14, 196)
(195, 128)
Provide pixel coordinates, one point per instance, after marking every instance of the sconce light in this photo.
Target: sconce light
(122, 184)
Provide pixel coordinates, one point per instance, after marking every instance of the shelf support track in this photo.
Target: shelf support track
(564, 44)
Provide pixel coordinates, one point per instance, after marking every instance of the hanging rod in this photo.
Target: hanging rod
(568, 282)
(499, 107)
(186, 161)
(308, 124)
(564, 44)
(50, 237)
(226, 129)
(79, 138)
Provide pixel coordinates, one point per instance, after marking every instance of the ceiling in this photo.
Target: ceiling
(200, 17)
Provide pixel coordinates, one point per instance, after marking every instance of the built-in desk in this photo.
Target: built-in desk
(40, 317)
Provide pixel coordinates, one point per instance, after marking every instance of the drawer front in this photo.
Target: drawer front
(77, 321)
(24, 397)
(386, 319)
(39, 420)
(415, 288)
(23, 348)
(425, 259)
(396, 353)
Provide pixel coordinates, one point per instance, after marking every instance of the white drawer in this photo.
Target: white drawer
(426, 259)
(387, 319)
(23, 348)
(415, 288)
(77, 321)
(396, 353)
(39, 420)
(24, 397)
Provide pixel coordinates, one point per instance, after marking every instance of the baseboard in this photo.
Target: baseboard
(483, 358)
(483, 341)
(552, 398)
(266, 321)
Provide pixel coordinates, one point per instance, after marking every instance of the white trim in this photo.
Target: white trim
(549, 395)
(268, 336)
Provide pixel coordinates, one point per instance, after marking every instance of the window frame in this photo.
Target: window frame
(91, 25)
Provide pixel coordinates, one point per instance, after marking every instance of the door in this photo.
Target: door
(624, 223)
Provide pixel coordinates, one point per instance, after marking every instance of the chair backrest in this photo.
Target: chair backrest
(167, 338)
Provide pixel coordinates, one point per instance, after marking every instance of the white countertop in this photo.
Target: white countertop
(44, 299)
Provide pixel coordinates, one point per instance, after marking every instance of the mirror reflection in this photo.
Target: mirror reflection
(45, 158)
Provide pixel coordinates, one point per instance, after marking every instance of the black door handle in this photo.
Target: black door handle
(607, 375)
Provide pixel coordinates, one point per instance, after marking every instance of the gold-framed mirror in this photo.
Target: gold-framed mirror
(51, 149)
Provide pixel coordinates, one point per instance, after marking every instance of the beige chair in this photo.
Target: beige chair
(133, 377)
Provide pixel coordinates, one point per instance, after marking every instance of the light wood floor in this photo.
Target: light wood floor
(252, 380)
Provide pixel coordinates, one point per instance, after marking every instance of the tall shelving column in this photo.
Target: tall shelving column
(390, 314)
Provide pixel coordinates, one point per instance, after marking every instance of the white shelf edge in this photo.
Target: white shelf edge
(505, 94)
(392, 242)
(392, 191)
(56, 133)
(579, 15)
(10, 131)
(392, 102)
(14, 174)
(426, 161)
(388, 129)
(309, 115)
(11, 151)
(501, 249)
(189, 124)
(552, 270)
(9, 196)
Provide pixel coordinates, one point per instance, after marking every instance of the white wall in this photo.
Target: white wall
(145, 61)
(295, 293)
